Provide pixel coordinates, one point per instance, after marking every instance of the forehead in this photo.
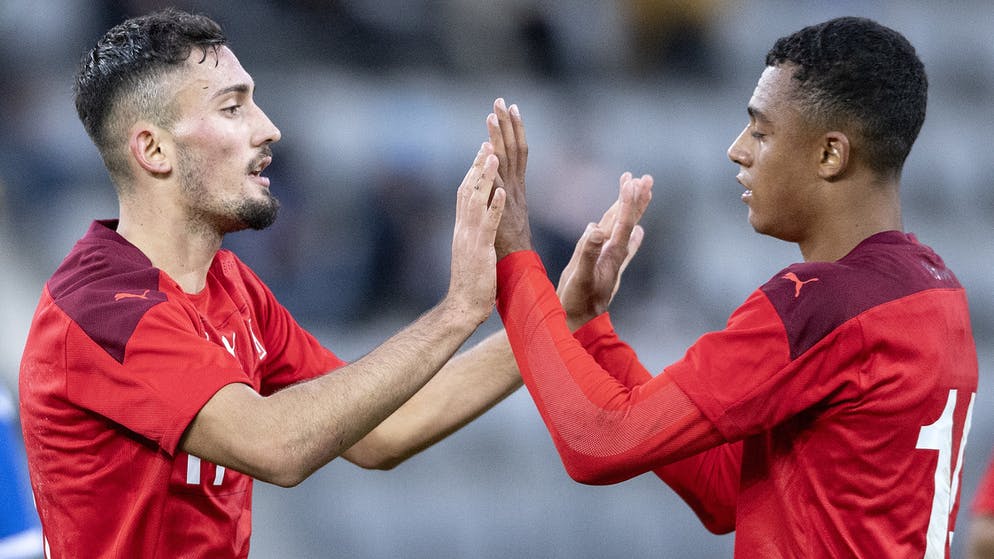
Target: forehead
(772, 96)
(209, 74)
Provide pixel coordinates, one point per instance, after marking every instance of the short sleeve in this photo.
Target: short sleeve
(170, 370)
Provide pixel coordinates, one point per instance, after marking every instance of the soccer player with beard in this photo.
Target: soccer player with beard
(161, 376)
(829, 417)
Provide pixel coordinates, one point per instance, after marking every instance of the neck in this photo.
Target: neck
(862, 212)
(182, 251)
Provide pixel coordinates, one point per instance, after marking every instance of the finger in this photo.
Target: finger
(520, 140)
(498, 184)
(484, 183)
(591, 247)
(634, 243)
(578, 249)
(497, 140)
(483, 191)
(627, 214)
(634, 207)
(507, 134)
(486, 148)
(616, 247)
(569, 270)
(633, 246)
(625, 177)
(643, 195)
(607, 220)
(463, 192)
(476, 190)
(494, 212)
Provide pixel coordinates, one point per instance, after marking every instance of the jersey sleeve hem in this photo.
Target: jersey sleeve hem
(184, 417)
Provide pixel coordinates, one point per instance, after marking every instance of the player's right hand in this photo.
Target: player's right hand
(591, 278)
(507, 135)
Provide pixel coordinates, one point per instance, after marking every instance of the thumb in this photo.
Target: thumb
(634, 242)
(593, 242)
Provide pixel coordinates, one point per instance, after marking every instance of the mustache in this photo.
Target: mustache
(265, 152)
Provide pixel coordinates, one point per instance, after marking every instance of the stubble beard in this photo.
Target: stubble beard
(223, 216)
(258, 214)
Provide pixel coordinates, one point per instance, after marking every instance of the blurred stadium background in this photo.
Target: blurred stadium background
(382, 106)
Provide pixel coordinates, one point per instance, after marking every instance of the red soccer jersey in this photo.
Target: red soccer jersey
(843, 393)
(118, 361)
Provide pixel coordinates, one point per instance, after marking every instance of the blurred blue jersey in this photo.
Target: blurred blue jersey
(20, 530)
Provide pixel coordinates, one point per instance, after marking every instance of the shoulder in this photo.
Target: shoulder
(814, 298)
(105, 286)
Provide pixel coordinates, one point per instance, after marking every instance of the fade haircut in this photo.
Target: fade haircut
(124, 78)
(860, 77)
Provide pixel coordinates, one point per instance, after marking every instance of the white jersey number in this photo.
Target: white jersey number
(193, 471)
(939, 436)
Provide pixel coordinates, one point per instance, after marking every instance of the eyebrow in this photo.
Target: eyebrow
(757, 114)
(238, 88)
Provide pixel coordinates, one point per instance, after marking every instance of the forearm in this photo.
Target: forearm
(468, 385)
(707, 481)
(605, 432)
(285, 437)
(616, 357)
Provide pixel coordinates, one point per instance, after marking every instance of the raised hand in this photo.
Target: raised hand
(507, 134)
(479, 205)
(591, 279)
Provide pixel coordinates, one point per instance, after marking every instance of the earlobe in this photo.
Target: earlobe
(146, 147)
(834, 156)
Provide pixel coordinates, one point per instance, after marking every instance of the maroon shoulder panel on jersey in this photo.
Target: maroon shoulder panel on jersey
(813, 299)
(105, 285)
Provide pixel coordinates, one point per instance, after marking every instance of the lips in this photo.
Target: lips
(748, 191)
(260, 165)
(256, 169)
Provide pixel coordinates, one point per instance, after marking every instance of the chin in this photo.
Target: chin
(259, 215)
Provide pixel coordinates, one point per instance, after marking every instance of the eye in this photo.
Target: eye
(757, 135)
(232, 110)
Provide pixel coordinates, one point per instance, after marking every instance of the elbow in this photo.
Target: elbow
(286, 464)
(285, 481)
(376, 452)
(596, 472)
(717, 526)
(586, 476)
(287, 472)
(383, 462)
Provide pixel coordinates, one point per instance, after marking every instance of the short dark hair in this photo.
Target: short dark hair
(120, 77)
(857, 74)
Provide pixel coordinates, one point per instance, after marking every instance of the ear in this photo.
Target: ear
(835, 152)
(148, 146)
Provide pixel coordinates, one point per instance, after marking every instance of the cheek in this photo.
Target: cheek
(209, 140)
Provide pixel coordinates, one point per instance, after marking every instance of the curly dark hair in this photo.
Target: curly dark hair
(859, 76)
(121, 79)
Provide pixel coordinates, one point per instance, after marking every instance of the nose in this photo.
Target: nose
(737, 152)
(267, 133)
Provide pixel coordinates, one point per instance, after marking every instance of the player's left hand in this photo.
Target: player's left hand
(590, 280)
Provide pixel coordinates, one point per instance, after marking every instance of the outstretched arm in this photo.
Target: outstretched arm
(285, 437)
(604, 430)
(471, 382)
(468, 385)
